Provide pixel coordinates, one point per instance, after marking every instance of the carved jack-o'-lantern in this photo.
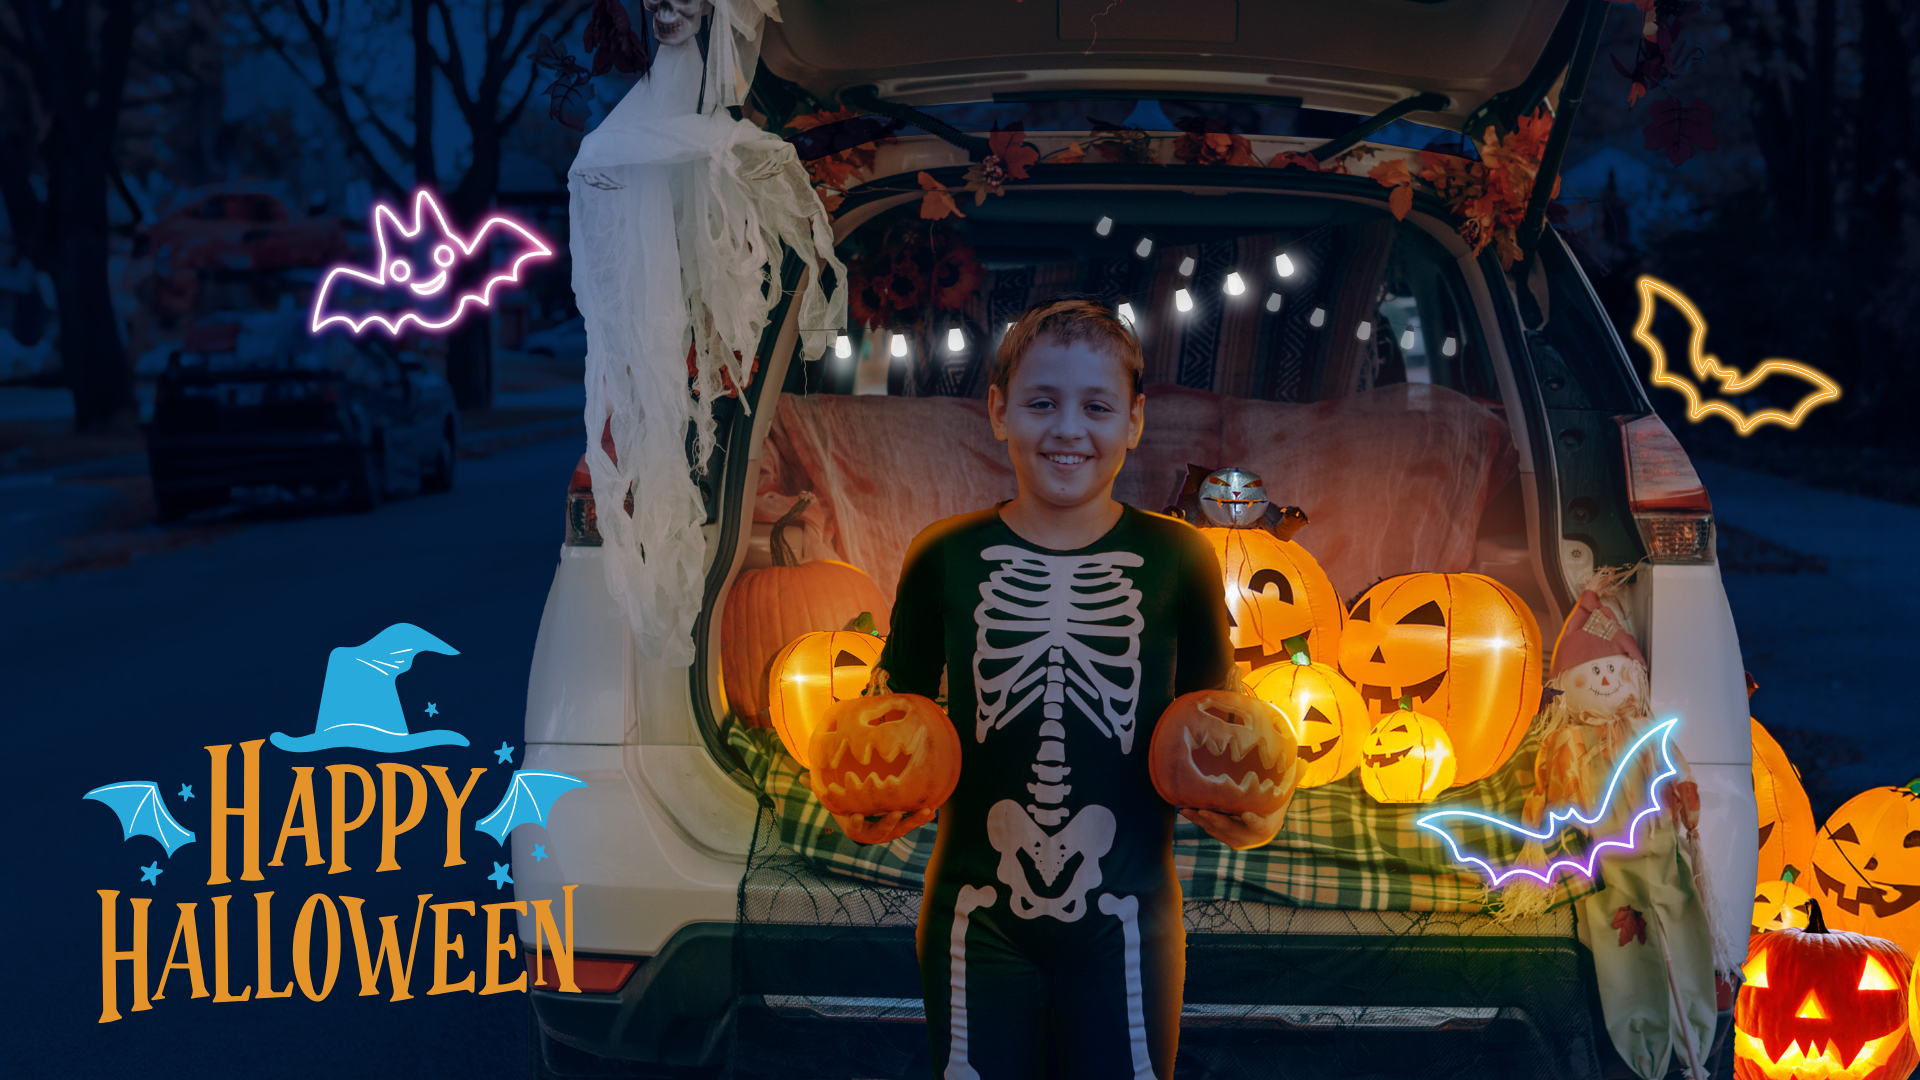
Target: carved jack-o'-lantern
(1275, 590)
(1328, 718)
(1228, 753)
(1406, 758)
(1786, 817)
(1866, 865)
(1780, 904)
(884, 754)
(1464, 647)
(1820, 1005)
(810, 675)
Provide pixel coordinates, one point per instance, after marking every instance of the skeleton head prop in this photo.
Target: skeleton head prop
(1233, 499)
(676, 21)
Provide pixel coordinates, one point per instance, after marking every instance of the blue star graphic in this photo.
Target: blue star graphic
(505, 754)
(186, 791)
(500, 877)
(539, 852)
(151, 874)
(432, 709)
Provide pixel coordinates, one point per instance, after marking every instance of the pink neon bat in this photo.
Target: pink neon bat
(1557, 818)
(398, 246)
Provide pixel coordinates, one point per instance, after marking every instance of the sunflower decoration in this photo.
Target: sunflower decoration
(917, 271)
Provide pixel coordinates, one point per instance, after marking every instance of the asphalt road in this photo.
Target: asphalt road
(128, 673)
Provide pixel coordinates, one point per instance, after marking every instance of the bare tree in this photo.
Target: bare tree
(481, 74)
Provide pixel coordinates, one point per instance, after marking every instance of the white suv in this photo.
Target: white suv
(1564, 468)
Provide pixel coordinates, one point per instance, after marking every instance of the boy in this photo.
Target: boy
(1065, 622)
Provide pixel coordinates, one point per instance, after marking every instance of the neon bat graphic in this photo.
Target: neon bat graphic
(1557, 818)
(530, 794)
(407, 255)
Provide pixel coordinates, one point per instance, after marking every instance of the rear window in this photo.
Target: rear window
(1270, 117)
(1273, 299)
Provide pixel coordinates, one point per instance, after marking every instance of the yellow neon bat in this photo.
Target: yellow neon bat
(1706, 366)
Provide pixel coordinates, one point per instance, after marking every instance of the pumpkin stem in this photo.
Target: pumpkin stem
(862, 624)
(1406, 702)
(1816, 922)
(1789, 874)
(1913, 785)
(1297, 645)
(777, 539)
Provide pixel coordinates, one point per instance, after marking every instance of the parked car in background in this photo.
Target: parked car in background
(253, 408)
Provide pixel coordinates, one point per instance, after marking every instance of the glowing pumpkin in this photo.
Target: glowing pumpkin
(1780, 904)
(813, 673)
(1866, 865)
(884, 754)
(1406, 758)
(1275, 591)
(1786, 817)
(1229, 753)
(1328, 718)
(769, 607)
(1464, 647)
(1821, 1005)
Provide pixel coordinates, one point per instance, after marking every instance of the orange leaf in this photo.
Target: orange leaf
(938, 201)
(1289, 157)
(1072, 154)
(1391, 173)
(1401, 201)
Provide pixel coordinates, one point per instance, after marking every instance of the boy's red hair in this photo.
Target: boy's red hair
(1068, 321)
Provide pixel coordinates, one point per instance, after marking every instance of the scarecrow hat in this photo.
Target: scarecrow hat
(1595, 628)
(360, 701)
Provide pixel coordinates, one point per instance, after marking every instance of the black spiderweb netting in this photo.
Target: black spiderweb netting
(829, 987)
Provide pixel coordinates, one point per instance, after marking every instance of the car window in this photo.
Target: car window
(1263, 298)
(1236, 117)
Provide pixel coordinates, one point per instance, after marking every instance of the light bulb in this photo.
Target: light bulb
(1125, 311)
(842, 347)
(1283, 264)
(1183, 299)
(956, 340)
(1186, 266)
(1234, 285)
(899, 344)
(1364, 330)
(1144, 248)
(1318, 318)
(1406, 339)
(1449, 346)
(1273, 301)
(1103, 226)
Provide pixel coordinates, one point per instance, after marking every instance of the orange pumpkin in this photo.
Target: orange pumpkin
(1406, 758)
(1275, 591)
(1823, 1005)
(884, 754)
(1866, 865)
(810, 675)
(1328, 718)
(767, 608)
(1786, 817)
(1230, 753)
(1780, 904)
(1464, 647)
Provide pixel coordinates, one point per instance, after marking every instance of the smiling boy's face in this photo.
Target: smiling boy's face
(1068, 417)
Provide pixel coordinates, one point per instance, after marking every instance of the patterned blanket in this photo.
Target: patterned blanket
(1339, 848)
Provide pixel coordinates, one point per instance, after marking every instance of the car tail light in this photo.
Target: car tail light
(591, 975)
(583, 524)
(1667, 499)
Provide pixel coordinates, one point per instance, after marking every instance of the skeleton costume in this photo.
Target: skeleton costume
(1051, 902)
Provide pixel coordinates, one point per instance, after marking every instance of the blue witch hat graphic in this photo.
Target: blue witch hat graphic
(360, 702)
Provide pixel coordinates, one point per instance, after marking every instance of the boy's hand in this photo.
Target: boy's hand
(862, 830)
(1241, 831)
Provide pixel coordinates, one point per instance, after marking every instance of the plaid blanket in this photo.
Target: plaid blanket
(1339, 848)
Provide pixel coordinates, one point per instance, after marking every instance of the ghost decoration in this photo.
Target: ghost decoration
(675, 22)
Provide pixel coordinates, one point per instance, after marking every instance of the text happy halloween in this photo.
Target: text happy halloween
(377, 950)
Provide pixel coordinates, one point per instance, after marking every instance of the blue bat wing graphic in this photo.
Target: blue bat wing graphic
(530, 795)
(1557, 819)
(142, 812)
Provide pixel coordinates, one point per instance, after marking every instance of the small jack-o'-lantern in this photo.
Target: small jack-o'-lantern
(1821, 1005)
(1275, 591)
(810, 675)
(1866, 865)
(1780, 904)
(884, 754)
(1464, 647)
(1786, 817)
(1229, 753)
(1328, 718)
(1406, 758)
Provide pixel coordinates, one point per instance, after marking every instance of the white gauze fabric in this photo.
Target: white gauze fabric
(676, 209)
